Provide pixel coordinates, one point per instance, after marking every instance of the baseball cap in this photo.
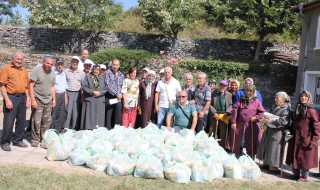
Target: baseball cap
(161, 71)
(88, 61)
(46, 56)
(59, 60)
(76, 58)
(145, 69)
(212, 81)
(103, 66)
(224, 82)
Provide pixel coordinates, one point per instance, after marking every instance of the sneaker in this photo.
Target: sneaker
(34, 144)
(287, 136)
(6, 147)
(302, 179)
(20, 144)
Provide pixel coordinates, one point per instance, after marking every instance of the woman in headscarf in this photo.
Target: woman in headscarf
(273, 140)
(245, 124)
(146, 99)
(302, 151)
(93, 106)
(130, 94)
(234, 87)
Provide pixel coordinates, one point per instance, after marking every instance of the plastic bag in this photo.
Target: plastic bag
(199, 171)
(83, 134)
(99, 145)
(132, 146)
(250, 168)
(120, 164)
(148, 166)
(200, 138)
(173, 138)
(182, 154)
(215, 168)
(102, 132)
(187, 134)
(98, 162)
(232, 168)
(209, 148)
(69, 132)
(84, 142)
(177, 172)
(49, 137)
(117, 138)
(164, 152)
(78, 157)
(155, 140)
(60, 149)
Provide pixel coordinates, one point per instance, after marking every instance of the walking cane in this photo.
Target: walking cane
(252, 141)
(284, 143)
(215, 134)
(234, 139)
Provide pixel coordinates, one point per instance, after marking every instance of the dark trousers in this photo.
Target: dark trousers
(72, 109)
(17, 112)
(113, 113)
(58, 113)
(202, 122)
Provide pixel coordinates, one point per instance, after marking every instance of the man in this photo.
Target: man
(87, 66)
(109, 65)
(58, 111)
(103, 69)
(14, 89)
(212, 83)
(240, 92)
(74, 80)
(166, 94)
(185, 114)
(161, 73)
(84, 57)
(114, 79)
(220, 112)
(42, 95)
(202, 100)
(144, 73)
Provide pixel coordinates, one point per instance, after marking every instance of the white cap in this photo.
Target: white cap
(145, 69)
(76, 58)
(110, 64)
(103, 66)
(161, 71)
(88, 61)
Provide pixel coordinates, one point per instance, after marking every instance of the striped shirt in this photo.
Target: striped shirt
(61, 81)
(113, 82)
(74, 79)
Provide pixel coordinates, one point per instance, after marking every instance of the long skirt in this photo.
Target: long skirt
(129, 117)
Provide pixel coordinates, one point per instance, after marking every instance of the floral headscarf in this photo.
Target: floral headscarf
(149, 83)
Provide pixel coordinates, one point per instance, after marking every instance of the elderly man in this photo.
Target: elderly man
(14, 89)
(202, 100)
(240, 92)
(84, 57)
(74, 79)
(114, 79)
(42, 95)
(87, 66)
(185, 114)
(161, 74)
(188, 87)
(220, 112)
(144, 73)
(166, 94)
(59, 112)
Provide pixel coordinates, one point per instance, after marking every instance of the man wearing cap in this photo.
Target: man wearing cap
(87, 66)
(161, 73)
(144, 73)
(74, 80)
(240, 92)
(219, 113)
(84, 57)
(14, 89)
(212, 83)
(42, 95)
(103, 69)
(59, 111)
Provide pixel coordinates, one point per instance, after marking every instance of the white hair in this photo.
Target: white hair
(186, 75)
(170, 69)
(17, 52)
(202, 74)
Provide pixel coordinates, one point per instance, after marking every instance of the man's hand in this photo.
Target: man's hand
(119, 96)
(253, 119)
(169, 128)
(216, 116)
(34, 104)
(9, 104)
(234, 126)
(53, 103)
(201, 114)
(192, 102)
(267, 121)
(96, 94)
(156, 109)
(28, 104)
(225, 116)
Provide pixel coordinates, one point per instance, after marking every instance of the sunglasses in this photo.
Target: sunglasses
(182, 96)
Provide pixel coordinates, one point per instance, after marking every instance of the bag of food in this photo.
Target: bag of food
(166, 132)
(155, 140)
(164, 153)
(132, 146)
(215, 168)
(250, 168)
(177, 172)
(69, 132)
(200, 138)
(209, 148)
(148, 166)
(232, 168)
(199, 171)
(173, 138)
(78, 157)
(187, 134)
(49, 137)
(98, 162)
(117, 138)
(99, 145)
(182, 154)
(102, 132)
(60, 149)
(120, 164)
(83, 134)
(130, 132)
(84, 142)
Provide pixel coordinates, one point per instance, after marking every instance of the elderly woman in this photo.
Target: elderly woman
(130, 94)
(234, 87)
(302, 151)
(147, 90)
(245, 125)
(273, 141)
(93, 106)
(188, 87)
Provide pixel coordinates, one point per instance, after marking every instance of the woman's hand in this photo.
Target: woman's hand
(267, 121)
(311, 146)
(265, 127)
(234, 126)
(156, 109)
(125, 106)
(253, 119)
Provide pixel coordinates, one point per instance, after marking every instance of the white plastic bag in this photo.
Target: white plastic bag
(61, 148)
(187, 134)
(83, 134)
(250, 168)
(209, 147)
(155, 140)
(199, 171)
(78, 157)
(98, 162)
(177, 172)
(99, 145)
(148, 166)
(232, 168)
(49, 137)
(215, 168)
(120, 164)
(117, 138)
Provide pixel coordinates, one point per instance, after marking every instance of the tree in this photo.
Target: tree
(262, 17)
(6, 8)
(74, 14)
(16, 19)
(168, 16)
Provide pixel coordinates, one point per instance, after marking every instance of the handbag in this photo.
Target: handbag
(184, 113)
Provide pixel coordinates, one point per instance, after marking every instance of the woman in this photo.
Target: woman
(273, 141)
(130, 94)
(234, 87)
(303, 147)
(93, 106)
(188, 87)
(212, 83)
(245, 124)
(147, 90)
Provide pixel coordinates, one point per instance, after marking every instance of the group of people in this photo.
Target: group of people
(86, 95)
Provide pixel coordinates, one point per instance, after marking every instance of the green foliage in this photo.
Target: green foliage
(15, 20)
(128, 58)
(6, 8)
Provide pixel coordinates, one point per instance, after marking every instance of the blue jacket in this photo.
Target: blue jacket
(241, 92)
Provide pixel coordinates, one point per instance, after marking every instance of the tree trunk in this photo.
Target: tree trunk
(258, 49)
(173, 44)
(79, 40)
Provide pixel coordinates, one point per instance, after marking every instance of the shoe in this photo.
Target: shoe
(34, 144)
(302, 179)
(20, 144)
(6, 147)
(287, 137)
(264, 167)
(316, 175)
(294, 177)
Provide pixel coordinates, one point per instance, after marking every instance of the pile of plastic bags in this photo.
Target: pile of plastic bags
(149, 153)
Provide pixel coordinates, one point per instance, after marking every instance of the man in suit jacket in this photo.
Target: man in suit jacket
(220, 111)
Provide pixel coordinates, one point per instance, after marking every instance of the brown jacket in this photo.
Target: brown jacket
(214, 102)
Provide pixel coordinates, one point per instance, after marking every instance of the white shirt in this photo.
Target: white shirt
(80, 65)
(173, 88)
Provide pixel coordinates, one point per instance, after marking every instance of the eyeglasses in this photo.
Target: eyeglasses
(182, 96)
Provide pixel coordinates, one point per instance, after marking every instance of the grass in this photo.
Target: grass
(18, 176)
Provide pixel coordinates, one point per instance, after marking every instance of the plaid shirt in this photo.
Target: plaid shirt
(201, 96)
(113, 82)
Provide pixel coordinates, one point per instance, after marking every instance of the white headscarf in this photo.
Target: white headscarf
(149, 86)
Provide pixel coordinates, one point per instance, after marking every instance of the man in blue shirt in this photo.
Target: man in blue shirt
(185, 114)
(58, 112)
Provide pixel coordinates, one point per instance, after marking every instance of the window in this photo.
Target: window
(312, 84)
(318, 36)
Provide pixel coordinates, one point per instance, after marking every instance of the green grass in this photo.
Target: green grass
(41, 177)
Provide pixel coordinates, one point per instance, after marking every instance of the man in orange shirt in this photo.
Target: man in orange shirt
(14, 88)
